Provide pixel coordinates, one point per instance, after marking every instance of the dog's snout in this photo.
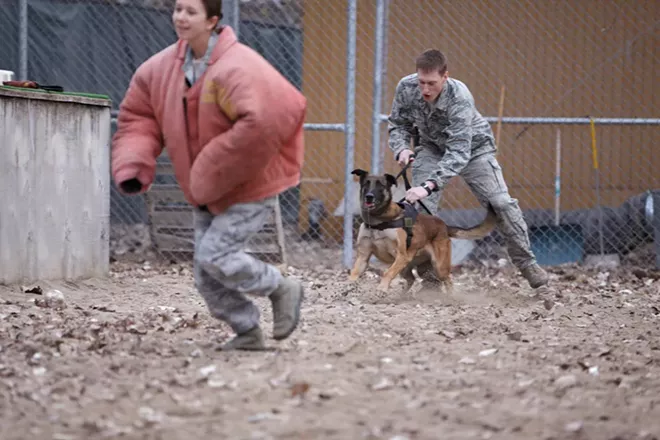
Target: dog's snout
(369, 197)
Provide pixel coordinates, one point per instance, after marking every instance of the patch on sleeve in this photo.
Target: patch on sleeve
(225, 104)
(209, 92)
(212, 94)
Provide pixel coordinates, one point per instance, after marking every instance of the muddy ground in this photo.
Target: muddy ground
(133, 357)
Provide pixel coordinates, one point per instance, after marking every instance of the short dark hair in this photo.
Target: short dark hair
(430, 60)
(213, 8)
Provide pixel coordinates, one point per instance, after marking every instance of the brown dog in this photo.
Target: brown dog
(397, 234)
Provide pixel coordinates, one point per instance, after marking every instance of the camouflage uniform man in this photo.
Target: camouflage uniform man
(455, 140)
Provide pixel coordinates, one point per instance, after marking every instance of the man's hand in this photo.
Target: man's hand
(419, 192)
(416, 193)
(404, 157)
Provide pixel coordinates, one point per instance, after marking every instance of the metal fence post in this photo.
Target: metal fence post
(378, 85)
(656, 228)
(236, 16)
(347, 254)
(231, 15)
(23, 40)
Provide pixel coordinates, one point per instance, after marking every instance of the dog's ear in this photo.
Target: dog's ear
(361, 173)
(391, 180)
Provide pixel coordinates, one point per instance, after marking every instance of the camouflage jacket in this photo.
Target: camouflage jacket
(453, 127)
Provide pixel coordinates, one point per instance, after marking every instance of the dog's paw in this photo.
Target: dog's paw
(383, 287)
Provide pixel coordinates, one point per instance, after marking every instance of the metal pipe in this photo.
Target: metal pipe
(568, 121)
(377, 86)
(579, 121)
(23, 40)
(310, 127)
(656, 227)
(236, 17)
(325, 127)
(386, 34)
(349, 153)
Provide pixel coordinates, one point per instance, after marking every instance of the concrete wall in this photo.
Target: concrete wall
(54, 179)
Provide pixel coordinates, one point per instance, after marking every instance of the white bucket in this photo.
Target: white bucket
(6, 75)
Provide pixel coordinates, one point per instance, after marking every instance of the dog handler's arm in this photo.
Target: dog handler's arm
(264, 118)
(400, 122)
(137, 143)
(458, 145)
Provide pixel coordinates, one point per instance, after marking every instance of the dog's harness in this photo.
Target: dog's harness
(403, 173)
(409, 212)
(406, 222)
(407, 185)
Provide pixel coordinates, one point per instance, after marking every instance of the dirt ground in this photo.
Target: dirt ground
(133, 357)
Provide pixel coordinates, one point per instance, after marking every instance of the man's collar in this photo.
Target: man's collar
(443, 100)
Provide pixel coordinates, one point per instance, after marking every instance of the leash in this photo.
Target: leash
(403, 173)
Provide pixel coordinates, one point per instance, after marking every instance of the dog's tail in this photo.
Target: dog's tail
(479, 231)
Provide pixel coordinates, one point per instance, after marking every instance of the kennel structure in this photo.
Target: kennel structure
(55, 177)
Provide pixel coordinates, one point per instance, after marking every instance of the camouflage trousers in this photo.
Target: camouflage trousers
(483, 174)
(223, 272)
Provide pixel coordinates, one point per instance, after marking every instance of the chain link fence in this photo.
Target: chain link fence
(548, 77)
(569, 89)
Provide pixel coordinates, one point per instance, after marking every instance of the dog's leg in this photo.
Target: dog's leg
(409, 276)
(395, 269)
(360, 265)
(364, 252)
(403, 258)
(426, 270)
(442, 259)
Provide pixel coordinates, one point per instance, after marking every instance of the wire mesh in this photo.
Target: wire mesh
(573, 60)
(96, 46)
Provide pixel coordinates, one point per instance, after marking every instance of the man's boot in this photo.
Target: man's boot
(535, 276)
(286, 301)
(252, 340)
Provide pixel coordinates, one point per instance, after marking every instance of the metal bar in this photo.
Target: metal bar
(236, 17)
(325, 127)
(656, 227)
(378, 86)
(601, 243)
(386, 34)
(557, 177)
(351, 37)
(23, 40)
(568, 121)
(579, 121)
(311, 127)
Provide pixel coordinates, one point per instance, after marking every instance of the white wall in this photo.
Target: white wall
(54, 186)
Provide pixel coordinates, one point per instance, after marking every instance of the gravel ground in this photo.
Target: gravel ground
(132, 356)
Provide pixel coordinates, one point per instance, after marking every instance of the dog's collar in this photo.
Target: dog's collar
(407, 221)
(409, 212)
(391, 224)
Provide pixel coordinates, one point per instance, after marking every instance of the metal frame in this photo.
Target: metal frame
(23, 41)
(566, 121)
(377, 117)
(232, 17)
(348, 127)
(379, 64)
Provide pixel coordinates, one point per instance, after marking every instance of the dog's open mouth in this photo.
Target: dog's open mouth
(369, 204)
